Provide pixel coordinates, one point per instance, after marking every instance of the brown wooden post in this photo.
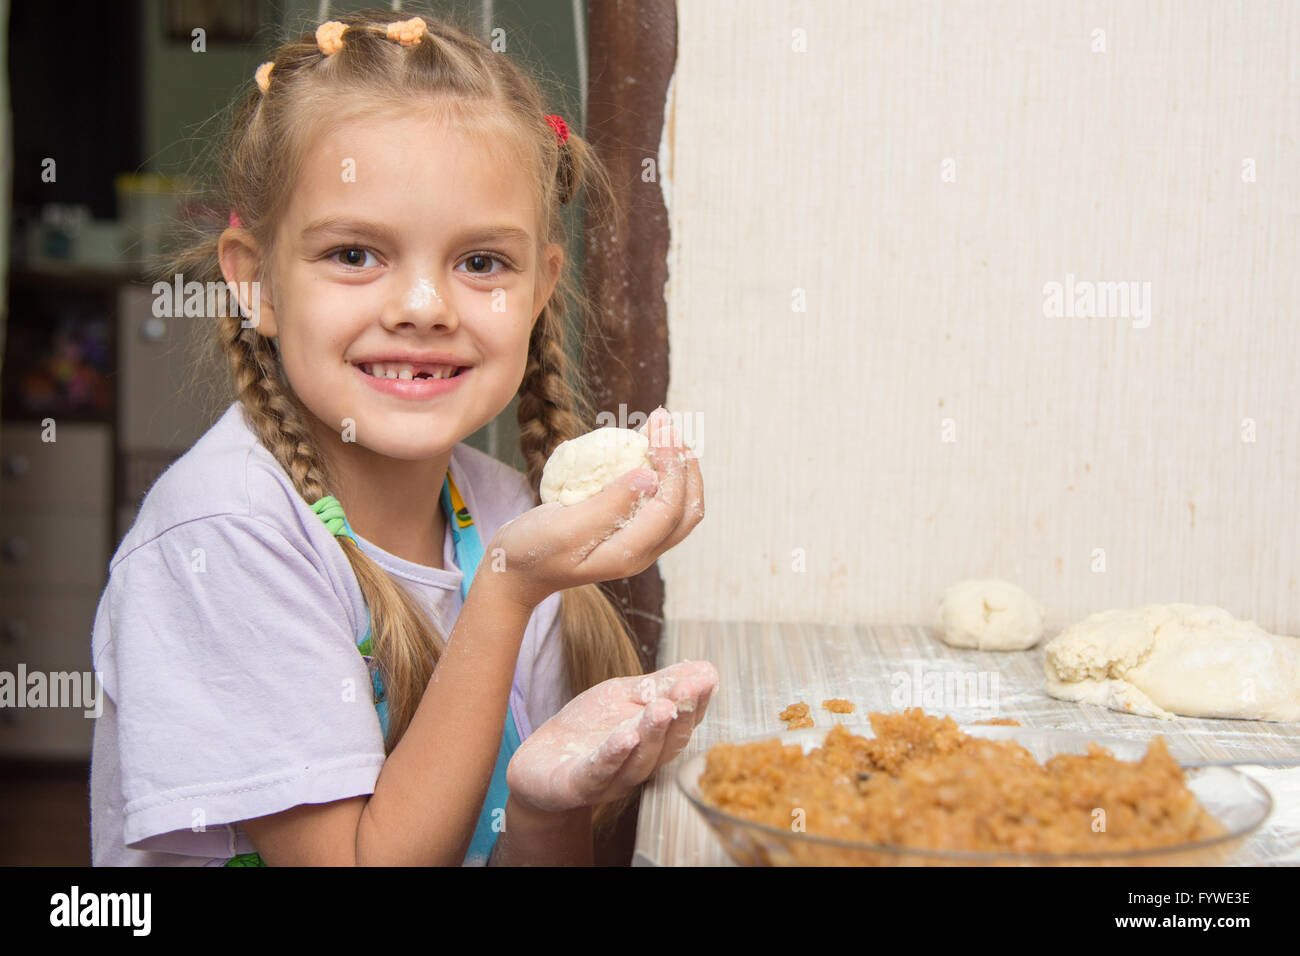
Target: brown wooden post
(632, 50)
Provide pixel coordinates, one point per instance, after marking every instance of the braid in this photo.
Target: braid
(550, 410)
(272, 410)
(598, 643)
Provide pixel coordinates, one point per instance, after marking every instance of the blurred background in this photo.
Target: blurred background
(106, 109)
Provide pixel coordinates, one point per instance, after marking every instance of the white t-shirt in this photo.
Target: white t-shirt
(226, 640)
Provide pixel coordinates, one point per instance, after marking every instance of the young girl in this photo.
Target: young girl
(268, 637)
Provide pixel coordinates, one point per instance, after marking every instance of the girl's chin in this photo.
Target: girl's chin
(402, 448)
(393, 435)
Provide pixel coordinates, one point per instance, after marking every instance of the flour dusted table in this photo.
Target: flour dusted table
(765, 666)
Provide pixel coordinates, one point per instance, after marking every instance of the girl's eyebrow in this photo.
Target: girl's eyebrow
(338, 225)
(497, 234)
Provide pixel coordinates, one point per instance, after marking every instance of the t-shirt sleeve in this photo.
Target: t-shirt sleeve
(238, 687)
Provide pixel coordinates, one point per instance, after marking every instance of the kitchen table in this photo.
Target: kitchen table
(765, 666)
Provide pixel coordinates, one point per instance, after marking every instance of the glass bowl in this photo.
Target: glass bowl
(1238, 802)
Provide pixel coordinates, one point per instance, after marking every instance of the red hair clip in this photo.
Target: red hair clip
(235, 221)
(561, 129)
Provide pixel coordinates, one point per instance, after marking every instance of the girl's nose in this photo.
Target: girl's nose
(422, 293)
(422, 304)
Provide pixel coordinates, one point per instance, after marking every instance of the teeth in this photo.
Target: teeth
(404, 371)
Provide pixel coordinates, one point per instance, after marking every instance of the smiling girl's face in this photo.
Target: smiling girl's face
(405, 246)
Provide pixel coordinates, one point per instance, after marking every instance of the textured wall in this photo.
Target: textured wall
(922, 172)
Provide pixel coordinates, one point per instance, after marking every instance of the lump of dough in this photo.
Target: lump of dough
(1163, 660)
(989, 615)
(580, 467)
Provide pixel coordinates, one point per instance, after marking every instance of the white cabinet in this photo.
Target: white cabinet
(55, 516)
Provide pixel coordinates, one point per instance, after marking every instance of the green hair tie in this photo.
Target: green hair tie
(331, 512)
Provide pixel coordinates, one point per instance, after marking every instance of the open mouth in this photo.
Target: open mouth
(409, 372)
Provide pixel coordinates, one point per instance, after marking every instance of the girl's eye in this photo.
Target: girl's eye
(480, 264)
(354, 256)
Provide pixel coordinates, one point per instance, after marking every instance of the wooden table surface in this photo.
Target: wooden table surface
(765, 666)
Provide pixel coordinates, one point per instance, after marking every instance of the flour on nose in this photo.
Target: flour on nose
(421, 295)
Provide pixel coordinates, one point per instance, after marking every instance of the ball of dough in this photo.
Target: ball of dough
(580, 467)
(989, 615)
(1163, 660)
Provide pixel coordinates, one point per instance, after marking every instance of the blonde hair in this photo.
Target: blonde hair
(366, 72)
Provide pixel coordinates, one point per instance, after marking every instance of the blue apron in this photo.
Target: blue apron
(469, 551)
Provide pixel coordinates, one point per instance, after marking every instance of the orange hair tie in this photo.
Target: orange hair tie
(407, 32)
(329, 37)
(263, 75)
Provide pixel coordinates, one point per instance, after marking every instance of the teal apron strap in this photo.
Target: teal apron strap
(469, 552)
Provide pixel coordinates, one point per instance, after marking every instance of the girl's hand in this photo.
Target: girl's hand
(616, 534)
(610, 738)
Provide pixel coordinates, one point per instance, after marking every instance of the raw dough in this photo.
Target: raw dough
(1168, 659)
(580, 467)
(989, 615)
